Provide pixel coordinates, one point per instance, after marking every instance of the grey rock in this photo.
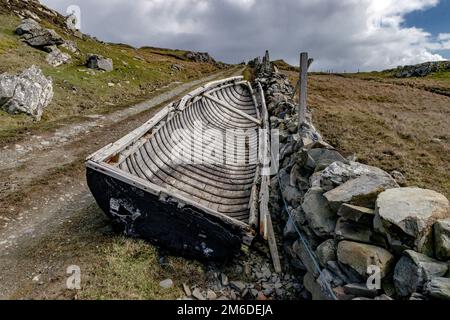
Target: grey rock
(166, 284)
(399, 177)
(211, 295)
(357, 214)
(313, 287)
(383, 297)
(360, 256)
(326, 252)
(303, 253)
(200, 57)
(340, 172)
(29, 92)
(360, 290)
(187, 290)
(56, 58)
(289, 231)
(268, 292)
(70, 46)
(40, 38)
(238, 286)
(27, 26)
(421, 70)
(292, 195)
(224, 279)
(176, 67)
(407, 215)
(442, 239)
(438, 288)
(319, 216)
(418, 297)
(361, 191)
(328, 280)
(322, 158)
(349, 230)
(197, 294)
(98, 62)
(414, 270)
(341, 295)
(345, 273)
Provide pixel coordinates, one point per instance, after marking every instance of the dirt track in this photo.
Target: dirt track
(47, 212)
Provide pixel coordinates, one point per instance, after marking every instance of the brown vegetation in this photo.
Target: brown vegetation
(389, 123)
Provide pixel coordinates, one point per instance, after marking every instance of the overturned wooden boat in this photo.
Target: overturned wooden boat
(160, 184)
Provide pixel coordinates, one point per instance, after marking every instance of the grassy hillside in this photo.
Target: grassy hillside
(396, 124)
(138, 74)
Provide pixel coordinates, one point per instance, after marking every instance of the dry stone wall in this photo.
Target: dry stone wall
(350, 228)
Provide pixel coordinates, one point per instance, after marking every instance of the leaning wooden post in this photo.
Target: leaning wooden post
(303, 89)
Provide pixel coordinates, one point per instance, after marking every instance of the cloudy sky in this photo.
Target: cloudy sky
(342, 35)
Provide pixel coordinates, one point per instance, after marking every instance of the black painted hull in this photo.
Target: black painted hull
(185, 231)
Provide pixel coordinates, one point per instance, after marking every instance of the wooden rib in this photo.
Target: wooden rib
(239, 112)
(225, 188)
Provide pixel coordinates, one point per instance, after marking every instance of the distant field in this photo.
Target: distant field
(396, 124)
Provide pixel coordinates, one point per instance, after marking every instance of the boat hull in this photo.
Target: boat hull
(185, 231)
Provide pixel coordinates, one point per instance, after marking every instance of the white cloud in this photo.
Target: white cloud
(340, 35)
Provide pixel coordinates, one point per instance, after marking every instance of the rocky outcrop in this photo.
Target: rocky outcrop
(349, 215)
(98, 62)
(29, 92)
(421, 70)
(407, 216)
(48, 40)
(200, 57)
(56, 57)
(36, 36)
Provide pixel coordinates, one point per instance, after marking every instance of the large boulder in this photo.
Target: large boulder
(442, 239)
(98, 62)
(40, 38)
(26, 26)
(361, 191)
(407, 215)
(360, 256)
(438, 288)
(319, 216)
(29, 92)
(414, 270)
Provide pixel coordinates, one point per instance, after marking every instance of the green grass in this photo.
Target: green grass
(441, 76)
(131, 270)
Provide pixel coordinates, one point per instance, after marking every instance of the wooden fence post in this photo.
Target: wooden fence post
(303, 89)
